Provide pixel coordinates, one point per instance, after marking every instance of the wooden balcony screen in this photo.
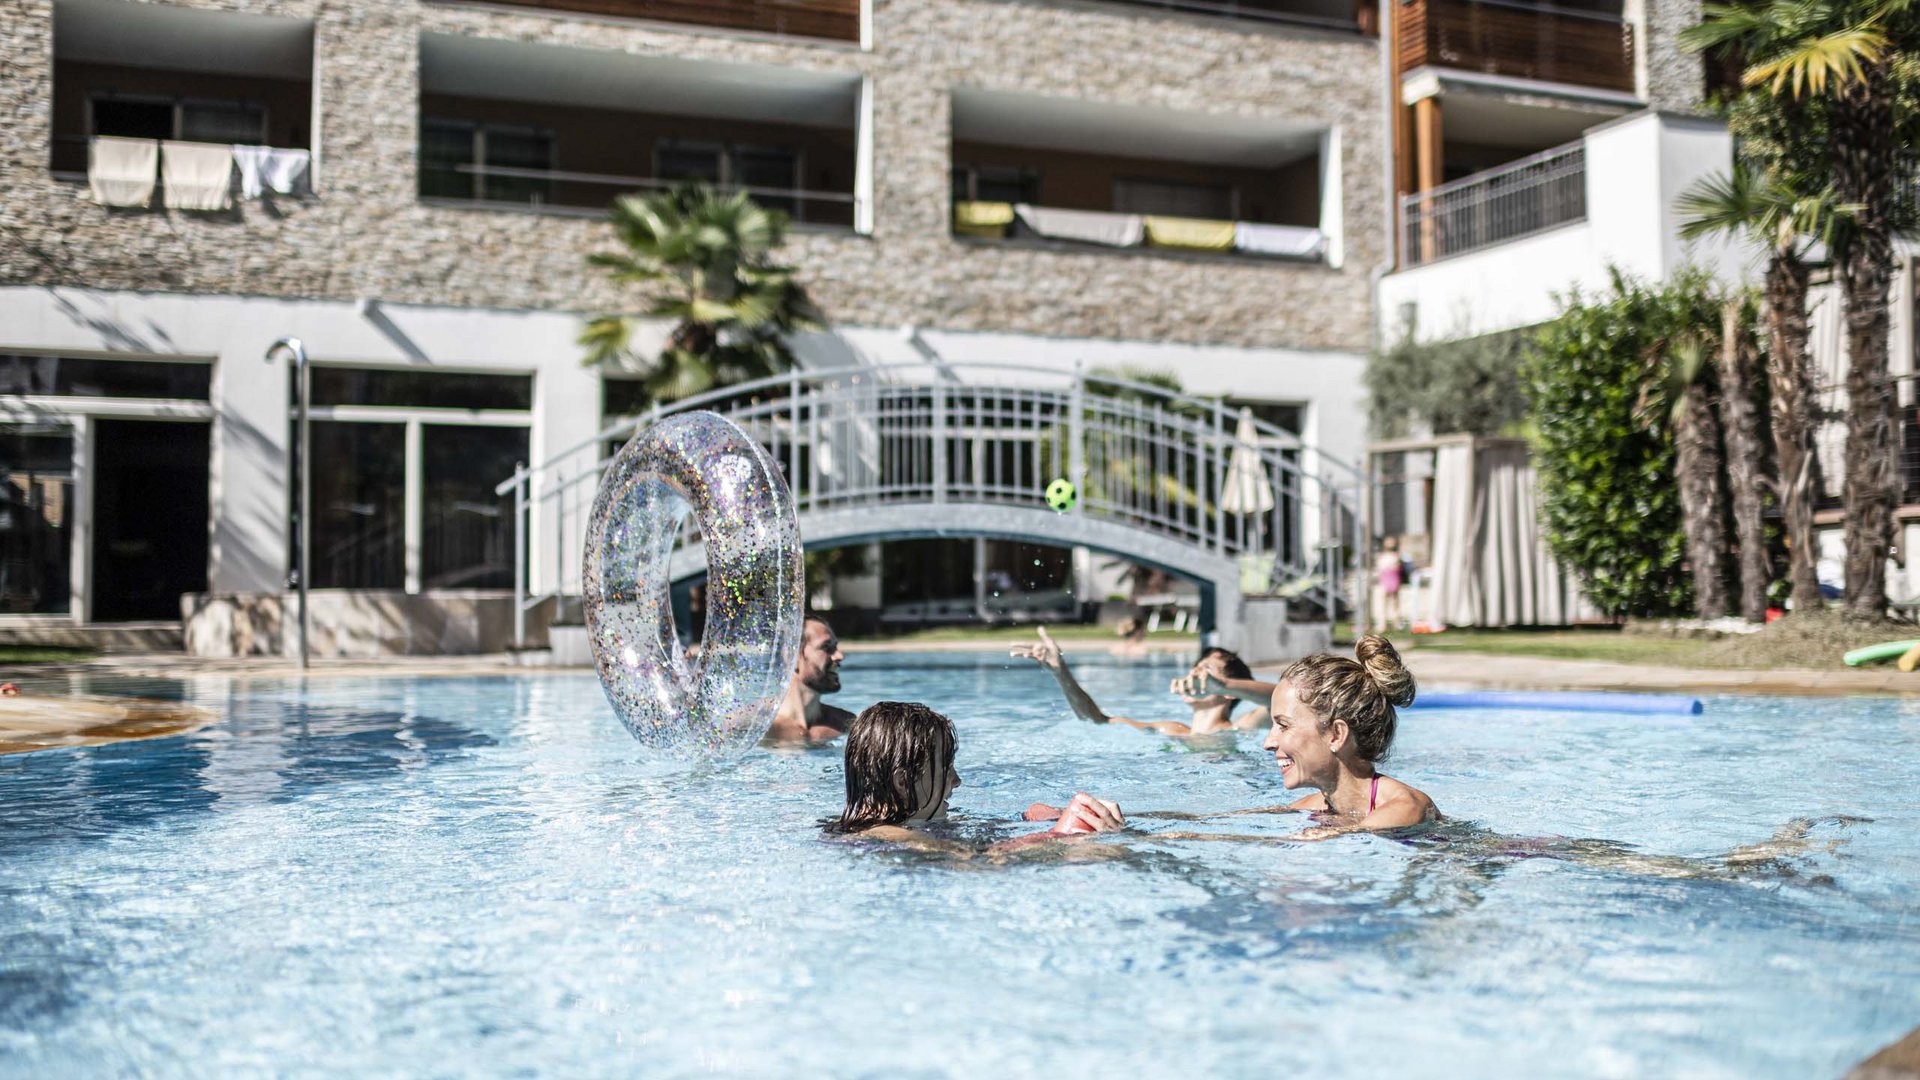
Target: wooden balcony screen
(836, 20)
(1518, 40)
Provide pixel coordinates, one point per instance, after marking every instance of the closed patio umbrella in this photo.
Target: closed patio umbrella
(1247, 488)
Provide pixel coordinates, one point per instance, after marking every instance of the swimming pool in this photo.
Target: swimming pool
(487, 876)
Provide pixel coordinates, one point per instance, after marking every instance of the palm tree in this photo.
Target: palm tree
(708, 258)
(1784, 217)
(1741, 429)
(1840, 54)
(1683, 383)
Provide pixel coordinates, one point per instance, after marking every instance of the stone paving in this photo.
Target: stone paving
(1435, 669)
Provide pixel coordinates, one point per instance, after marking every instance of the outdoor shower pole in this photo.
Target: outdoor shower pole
(303, 445)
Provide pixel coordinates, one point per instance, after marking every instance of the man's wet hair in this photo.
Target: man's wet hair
(1231, 664)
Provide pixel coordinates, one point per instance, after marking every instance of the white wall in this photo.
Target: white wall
(1636, 167)
(249, 486)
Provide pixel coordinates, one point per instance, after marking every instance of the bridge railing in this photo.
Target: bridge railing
(1163, 462)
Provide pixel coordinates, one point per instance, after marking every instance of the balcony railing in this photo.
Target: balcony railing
(1523, 41)
(1099, 229)
(1519, 199)
(1294, 12)
(833, 20)
(590, 194)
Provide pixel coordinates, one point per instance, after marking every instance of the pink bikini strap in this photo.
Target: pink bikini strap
(1373, 794)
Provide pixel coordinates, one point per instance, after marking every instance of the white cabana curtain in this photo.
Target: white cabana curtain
(1490, 555)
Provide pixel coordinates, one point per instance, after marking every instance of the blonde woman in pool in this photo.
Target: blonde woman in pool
(1333, 721)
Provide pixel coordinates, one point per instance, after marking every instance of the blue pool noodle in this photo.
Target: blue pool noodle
(1561, 701)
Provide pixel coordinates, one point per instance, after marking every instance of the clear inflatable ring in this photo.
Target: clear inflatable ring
(722, 702)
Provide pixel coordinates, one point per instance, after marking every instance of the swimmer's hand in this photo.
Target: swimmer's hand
(1045, 652)
(1086, 814)
(1041, 812)
(1199, 684)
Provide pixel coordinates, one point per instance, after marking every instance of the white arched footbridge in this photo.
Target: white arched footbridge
(1247, 511)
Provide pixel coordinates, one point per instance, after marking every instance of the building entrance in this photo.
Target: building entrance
(149, 517)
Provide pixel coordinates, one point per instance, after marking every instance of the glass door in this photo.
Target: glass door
(149, 517)
(36, 520)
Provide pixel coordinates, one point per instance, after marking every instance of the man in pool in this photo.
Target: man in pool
(1212, 690)
(803, 718)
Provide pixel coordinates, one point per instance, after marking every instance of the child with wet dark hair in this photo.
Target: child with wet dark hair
(899, 769)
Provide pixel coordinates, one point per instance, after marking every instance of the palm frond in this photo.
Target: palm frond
(1815, 61)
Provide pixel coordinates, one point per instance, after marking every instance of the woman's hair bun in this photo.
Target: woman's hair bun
(1383, 665)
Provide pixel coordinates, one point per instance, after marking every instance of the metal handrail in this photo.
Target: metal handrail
(1536, 193)
(1488, 176)
(899, 434)
(626, 426)
(612, 180)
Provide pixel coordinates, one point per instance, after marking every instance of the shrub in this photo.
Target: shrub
(1471, 385)
(1609, 497)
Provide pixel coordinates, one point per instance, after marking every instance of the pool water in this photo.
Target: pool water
(488, 876)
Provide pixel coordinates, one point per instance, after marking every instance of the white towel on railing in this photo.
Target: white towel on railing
(269, 168)
(120, 171)
(1085, 226)
(1291, 240)
(198, 176)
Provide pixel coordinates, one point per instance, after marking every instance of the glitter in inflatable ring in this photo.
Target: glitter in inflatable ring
(723, 702)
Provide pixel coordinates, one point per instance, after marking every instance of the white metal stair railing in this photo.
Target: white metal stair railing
(1141, 456)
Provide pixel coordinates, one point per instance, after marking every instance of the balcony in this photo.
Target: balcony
(516, 126)
(1534, 194)
(162, 74)
(1078, 175)
(826, 20)
(1347, 15)
(1577, 46)
(1502, 249)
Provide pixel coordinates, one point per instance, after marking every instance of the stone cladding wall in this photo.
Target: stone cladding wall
(1676, 80)
(366, 234)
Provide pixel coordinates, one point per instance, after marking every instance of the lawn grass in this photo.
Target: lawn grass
(1598, 643)
(1074, 632)
(41, 654)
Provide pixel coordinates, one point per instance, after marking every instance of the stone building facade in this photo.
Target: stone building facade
(366, 232)
(443, 234)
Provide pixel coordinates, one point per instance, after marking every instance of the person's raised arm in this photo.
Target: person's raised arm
(1209, 683)
(1046, 653)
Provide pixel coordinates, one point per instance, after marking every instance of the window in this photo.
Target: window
(359, 506)
(403, 498)
(66, 376)
(420, 389)
(36, 515)
(622, 397)
(467, 530)
(223, 122)
(1217, 202)
(762, 170)
(456, 157)
(1283, 416)
(194, 120)
(704, 162)
(995, 183)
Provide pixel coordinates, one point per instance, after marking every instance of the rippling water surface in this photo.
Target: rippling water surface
(417, 877)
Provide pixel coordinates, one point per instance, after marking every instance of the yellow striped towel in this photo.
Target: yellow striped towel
(1195, 234)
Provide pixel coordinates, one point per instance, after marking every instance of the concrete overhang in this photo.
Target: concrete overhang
(604, 79)
(1098, 127)
(170, 38)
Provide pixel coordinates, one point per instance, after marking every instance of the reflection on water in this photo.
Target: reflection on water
(460, 876)
(251, 756)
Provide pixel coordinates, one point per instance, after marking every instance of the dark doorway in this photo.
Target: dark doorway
(149, 517)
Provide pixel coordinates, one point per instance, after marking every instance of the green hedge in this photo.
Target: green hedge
(1609, 499)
